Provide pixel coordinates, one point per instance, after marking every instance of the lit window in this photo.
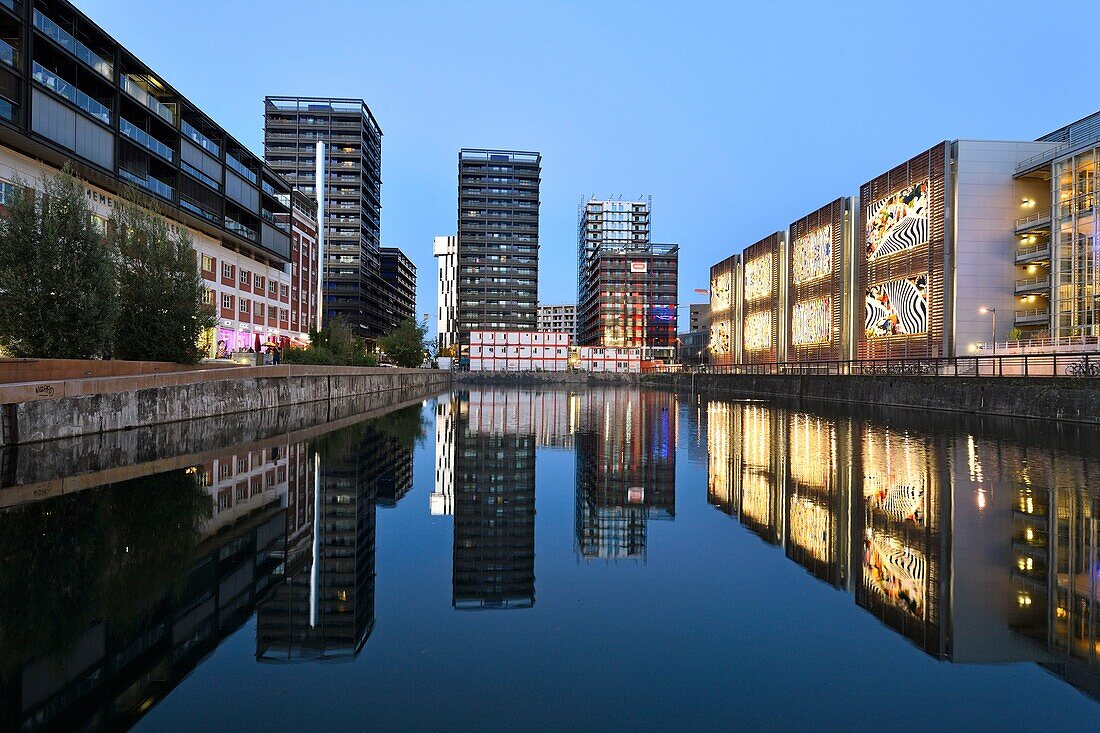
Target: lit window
(207, 263)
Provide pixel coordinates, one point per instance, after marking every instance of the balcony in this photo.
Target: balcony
(1033, 253)
(64, 89)
(1033, 221)
(240, 229)
(147, 100)
(144, 139)
(1032, 284)
(8, 54)
(149, 183)
(73, 46)
(1033, 317)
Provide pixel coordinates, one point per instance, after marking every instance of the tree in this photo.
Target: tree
(58, 292)
(405, 344)
(335, 345)
(162, 310)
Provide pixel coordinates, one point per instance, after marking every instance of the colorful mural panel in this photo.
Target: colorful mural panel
(897, 307)
(898, 222)
(758, 278)
(812, 258)
(758, 331)
(720, 292)
(720, 338)
(812, 322)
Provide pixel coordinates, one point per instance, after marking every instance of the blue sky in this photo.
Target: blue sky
(736, 117)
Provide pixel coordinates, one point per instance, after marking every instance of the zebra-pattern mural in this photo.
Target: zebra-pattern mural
(897, 307)
(898, 222)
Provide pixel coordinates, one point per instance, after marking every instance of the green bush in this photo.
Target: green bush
(333, 345)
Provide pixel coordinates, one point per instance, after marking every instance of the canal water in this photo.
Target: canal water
(606, 559)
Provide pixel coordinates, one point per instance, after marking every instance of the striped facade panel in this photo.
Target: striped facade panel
(901, 243)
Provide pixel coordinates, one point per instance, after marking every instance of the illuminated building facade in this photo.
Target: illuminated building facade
(916, 266)
(626, 284)
(821, 326)
(724, 339)
(1057, 233)
(762, 301)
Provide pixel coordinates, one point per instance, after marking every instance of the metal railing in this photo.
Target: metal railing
(1030, 219)
(1023, 253)
(1085, 365)
(1043, 156)
(1033, 313)
(1031, 282)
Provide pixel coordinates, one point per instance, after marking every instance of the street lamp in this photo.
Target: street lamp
(985, 310)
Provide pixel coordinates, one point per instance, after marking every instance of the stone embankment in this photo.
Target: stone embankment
(1047, 398)
(48, 410)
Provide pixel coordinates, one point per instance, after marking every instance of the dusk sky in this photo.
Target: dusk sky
(737, 118)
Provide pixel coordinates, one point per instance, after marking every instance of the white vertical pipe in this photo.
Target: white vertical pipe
(319, 191)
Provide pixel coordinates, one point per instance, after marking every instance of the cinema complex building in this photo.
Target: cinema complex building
(971, 247)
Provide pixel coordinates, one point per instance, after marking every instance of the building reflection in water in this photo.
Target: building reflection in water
(151, 574)
(978, 549)
(490, 486)
(625, 444)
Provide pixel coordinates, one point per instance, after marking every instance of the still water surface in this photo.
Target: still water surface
(604, 559)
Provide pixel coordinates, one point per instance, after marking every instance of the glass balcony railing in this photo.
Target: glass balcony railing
(10, 4)
(201, 140)
(192, 170)
(147, 141)
(73, 46)
(8, 54)
(270, 217)
(149, 183)
(62, 88)
(240, 168)
(7, 110)
(198, 210)
(147, 100)
(237, 228)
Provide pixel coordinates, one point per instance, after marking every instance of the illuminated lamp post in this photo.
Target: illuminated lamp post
(985, 310)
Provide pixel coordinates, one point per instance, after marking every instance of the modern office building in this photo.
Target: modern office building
(399, 274)
(1057, 260)
(626, 285)
(70, 93)
(699, 316)
(445, 250)
(354, 288)
(925, 256)
(559, 318)
(498, 240)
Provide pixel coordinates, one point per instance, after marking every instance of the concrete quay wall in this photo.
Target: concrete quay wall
(1047, 398)
(37, 411)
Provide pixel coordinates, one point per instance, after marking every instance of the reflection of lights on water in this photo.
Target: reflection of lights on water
(1025, 563)
(1029, 534)
(982, 500)
(1024, 599)
(1060, 612)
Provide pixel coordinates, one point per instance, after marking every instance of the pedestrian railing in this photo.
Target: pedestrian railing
(1081, 365)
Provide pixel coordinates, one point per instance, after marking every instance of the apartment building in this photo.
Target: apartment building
(354, 289)
(70, 93)
(399, 274)
(498, 240)
(626, 285)
(445, 250)
(558, 318)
